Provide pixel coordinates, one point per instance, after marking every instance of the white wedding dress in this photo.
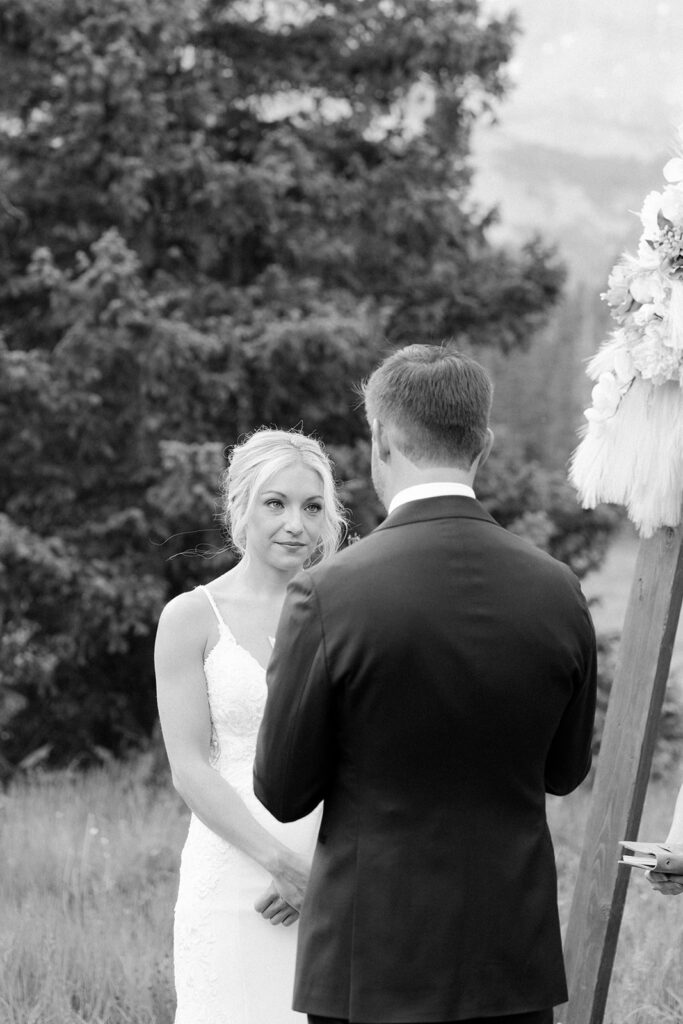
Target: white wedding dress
(231, 965)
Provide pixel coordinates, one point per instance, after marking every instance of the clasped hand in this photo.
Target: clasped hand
(274, 908)
(281, 902)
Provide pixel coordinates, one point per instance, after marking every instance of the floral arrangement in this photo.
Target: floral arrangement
(632, 448)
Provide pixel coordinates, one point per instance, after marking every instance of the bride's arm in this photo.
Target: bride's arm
(186, 727)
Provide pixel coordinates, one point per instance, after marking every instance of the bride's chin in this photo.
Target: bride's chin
(291, 557)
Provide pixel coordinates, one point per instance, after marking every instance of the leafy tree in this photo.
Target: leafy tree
(213, 214)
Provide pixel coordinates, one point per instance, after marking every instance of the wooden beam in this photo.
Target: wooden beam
(622, 774)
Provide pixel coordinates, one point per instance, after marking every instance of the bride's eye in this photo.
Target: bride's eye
(274, 503)
(314, 507)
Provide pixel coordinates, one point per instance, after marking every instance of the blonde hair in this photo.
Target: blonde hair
(259, 457)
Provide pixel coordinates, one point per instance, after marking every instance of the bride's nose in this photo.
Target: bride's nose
(294, 525)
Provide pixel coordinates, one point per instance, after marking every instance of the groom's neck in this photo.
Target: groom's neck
(411, 475)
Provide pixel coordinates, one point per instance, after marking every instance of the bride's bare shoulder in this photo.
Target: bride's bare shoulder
(187, 628)
(186, 611)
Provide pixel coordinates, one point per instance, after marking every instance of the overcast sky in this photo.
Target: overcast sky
(596, 76)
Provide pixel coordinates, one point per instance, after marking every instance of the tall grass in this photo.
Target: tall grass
(87, 886)
(88, 874)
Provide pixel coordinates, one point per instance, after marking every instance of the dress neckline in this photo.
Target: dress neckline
(225, 631)
(225, 634)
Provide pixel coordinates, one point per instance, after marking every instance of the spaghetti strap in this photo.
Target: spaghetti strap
(222, 625)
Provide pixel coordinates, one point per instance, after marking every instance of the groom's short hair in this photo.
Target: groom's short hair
(437, 398)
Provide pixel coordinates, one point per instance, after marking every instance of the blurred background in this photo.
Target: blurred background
(218, 214)
(592, 114)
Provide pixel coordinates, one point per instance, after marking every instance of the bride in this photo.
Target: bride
(241, 871)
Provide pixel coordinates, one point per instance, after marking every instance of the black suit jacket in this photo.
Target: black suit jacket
(430, 683)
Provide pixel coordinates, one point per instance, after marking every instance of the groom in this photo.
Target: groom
(431, 683)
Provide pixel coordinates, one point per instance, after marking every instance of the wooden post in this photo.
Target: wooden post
(622, 773)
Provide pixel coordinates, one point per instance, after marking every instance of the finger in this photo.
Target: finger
(280, 916)
(285, 915)
(277, 907)
(265, 901)
(262, 905)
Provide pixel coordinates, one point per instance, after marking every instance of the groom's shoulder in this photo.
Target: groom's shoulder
(494, 542)
(526, 551)
(536, 570)
(360, 555)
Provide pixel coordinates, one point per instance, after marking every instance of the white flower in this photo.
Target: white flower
(623, 366)
(647, 256)
(653, 360)
(673, 171)
(672, 204)
(617, 296)
(647, 288)
(658, 286)
(643, 315)
(606, 396)
(648, 215)
(618, 278)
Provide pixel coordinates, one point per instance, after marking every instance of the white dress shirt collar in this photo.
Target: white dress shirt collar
(435, 490)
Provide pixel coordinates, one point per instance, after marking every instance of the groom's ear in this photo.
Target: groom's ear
(380, 440)
(486, 450)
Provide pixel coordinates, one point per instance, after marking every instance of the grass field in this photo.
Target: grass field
(88, 882)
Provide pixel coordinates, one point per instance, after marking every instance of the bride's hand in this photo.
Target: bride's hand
(273, 908)
(290, 877)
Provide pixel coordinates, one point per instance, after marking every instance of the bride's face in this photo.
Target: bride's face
(285, 524)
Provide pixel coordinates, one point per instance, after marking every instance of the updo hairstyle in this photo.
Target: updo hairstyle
(254, 461)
